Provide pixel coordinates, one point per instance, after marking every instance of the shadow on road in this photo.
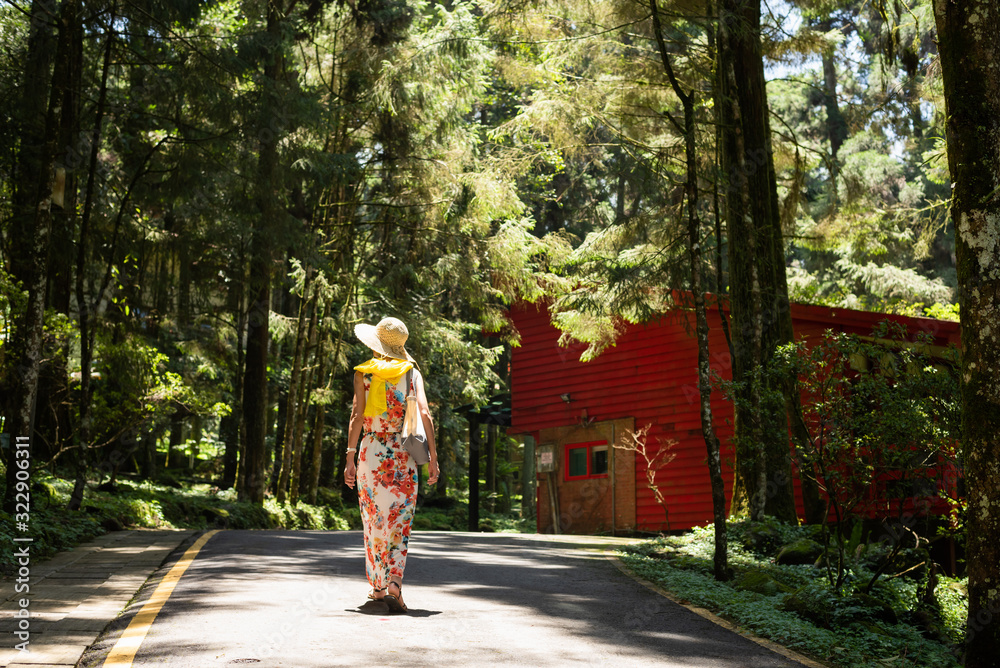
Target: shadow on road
(502, 599)
(382, 610)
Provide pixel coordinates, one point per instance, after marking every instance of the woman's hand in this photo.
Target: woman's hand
(434, 470)
(354, 431)
(350, 473)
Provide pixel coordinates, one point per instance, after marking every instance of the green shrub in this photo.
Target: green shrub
(795, 605)
(884, 415)
(952, 598)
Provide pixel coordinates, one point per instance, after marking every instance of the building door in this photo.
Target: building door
(591, 485)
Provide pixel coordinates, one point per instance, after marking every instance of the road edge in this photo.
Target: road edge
(123, 653)
(712, 617)
(102, 644)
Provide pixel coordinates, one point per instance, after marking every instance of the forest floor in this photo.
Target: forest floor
(795, 604)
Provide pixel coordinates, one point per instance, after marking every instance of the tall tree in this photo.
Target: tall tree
(761, 319)
(34, 210)
(296, 390)
(688, 100)
(255, 404)
(86, 307)
(967, 31)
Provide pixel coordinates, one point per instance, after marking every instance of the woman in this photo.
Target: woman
(386, 474)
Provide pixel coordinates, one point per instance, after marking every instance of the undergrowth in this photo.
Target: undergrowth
(795, 605)
(151, 505)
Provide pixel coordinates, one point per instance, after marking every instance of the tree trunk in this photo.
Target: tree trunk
(721, 270)
(762, 484)
(147, 453)
(159, 287)
(307, 454)
(721, 556)
(319, 419)
(836, 124)
(295, 391)
(255, 404)
(302, 410)
(528, 479)
(82, 300)
(230, 425)
(491, 466)
(812, 503)
(508, 478)
(277, 412)
(967, 42)
(183, 245)
(316, 440)
(60, 272)
(196, 426)
(252, 481)
(279, 440)
(446, 455)
(30, 254)
(174, 441)
(475, 450)
(31, 158)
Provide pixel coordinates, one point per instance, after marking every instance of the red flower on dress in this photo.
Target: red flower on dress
(384, 474)
(407, 485)
(395, 412)
(366, 497)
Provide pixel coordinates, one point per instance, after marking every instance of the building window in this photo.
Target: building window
(587, 460)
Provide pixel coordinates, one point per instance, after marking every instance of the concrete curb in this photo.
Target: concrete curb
(76, 594)
(715, 619)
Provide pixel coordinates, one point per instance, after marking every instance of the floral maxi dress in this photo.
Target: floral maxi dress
(387, 487)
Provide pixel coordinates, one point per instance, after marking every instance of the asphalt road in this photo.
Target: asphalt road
(280, 598)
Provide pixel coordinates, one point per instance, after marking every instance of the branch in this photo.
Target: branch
(118, 221)
(657, 31)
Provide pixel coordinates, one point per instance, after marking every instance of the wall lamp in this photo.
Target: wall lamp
(565, 397)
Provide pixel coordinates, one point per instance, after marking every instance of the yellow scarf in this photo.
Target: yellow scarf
(382, 371)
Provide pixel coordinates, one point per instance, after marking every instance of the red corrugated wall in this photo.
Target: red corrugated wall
(651, 375)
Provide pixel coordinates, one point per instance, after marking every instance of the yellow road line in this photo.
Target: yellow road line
(123, 653)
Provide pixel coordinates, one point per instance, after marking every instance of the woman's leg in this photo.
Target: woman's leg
(372, 502)
(399, 519)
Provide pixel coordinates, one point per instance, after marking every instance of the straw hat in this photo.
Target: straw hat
(387, 337)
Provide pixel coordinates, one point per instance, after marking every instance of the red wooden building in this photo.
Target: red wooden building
(574, 411)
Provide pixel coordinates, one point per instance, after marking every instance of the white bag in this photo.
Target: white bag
(414, 436)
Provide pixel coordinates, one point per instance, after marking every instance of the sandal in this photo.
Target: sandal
(395, 601)
(373, 597)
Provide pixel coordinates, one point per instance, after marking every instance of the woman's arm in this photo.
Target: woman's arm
(354, 430)
(433, 469)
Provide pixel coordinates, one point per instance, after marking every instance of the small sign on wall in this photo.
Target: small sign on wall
(546, 458)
